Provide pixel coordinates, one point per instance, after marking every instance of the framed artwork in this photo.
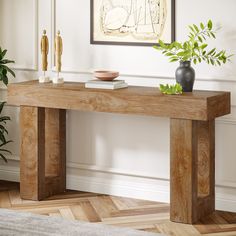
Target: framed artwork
(132, 22)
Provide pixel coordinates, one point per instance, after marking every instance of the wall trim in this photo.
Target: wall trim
(115, 171)
(10, 157)
(25, 68)
(9, 173)
(53, 32)
(154, 192)
(34, 67)
(226, 121)
(225, 204)
(141, 76)
(111, 171)
(119, 188)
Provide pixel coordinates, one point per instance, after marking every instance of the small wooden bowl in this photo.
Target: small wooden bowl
(106, 75)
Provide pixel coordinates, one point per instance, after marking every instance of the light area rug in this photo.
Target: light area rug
(14, 223)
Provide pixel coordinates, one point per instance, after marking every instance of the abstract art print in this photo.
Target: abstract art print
(132, 22)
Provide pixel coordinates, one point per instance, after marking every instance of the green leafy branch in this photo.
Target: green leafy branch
(4, 69)
(171, 89)
(195, 48)
(3, 133)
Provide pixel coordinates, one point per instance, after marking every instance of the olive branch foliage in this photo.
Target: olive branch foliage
(195, 49)
(171, 89)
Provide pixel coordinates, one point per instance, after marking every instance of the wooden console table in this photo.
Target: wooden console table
(192, 127)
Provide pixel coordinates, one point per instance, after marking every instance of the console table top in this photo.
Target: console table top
(198, 105)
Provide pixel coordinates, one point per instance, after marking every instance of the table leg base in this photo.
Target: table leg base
(42, 162)
(192, 170)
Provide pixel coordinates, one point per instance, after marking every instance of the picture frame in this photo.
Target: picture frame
(132, 22)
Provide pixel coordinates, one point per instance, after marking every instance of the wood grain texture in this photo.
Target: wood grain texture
(43, 152)
(32, 162)
(183, 171)
(206, 158)
(52, 150)
(55, 152)
(55, 127)
(206, 167)
(199, 105)
(192, 137)
(192, 170)
(119, 211)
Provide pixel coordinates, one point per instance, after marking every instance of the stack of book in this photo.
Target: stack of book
(99, 84)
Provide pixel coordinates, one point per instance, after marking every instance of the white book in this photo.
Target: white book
(106, 86)
(97, 81)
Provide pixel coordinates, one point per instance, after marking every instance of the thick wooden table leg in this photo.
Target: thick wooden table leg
(192, 171)
(43, 152)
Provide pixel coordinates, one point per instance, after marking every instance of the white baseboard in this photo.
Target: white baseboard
(223, 203)
(9, 173)
(140, 190)
(153, 192)
(120, 188)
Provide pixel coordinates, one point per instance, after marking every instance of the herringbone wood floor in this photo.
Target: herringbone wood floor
(118, 211)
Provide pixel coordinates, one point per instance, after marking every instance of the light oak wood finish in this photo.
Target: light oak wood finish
(43, 147)
(192, 136)
(199, 105)
(123, 212)
(192, 170)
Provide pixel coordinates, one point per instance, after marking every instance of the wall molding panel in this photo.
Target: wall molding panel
(34, 66)
(53, 33)
(9, 172)
(141, 76)
(111, 171)
(115, 171)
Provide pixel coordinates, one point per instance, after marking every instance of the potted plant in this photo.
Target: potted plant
(4, 70)
(3, 133)
(195, 50)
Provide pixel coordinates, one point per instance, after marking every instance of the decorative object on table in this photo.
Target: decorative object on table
(193, 50)
(106, 75)
(101, 84)
(120, 22)
(185, 75)
(44, 45)
(58, 53)
(4, 69)
(171, 89)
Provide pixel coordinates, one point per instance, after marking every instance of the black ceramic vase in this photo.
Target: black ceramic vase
(185, 76)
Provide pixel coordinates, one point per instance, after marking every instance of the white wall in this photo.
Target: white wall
(120, 154)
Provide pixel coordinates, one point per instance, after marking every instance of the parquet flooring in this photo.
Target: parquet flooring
(118, 211)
